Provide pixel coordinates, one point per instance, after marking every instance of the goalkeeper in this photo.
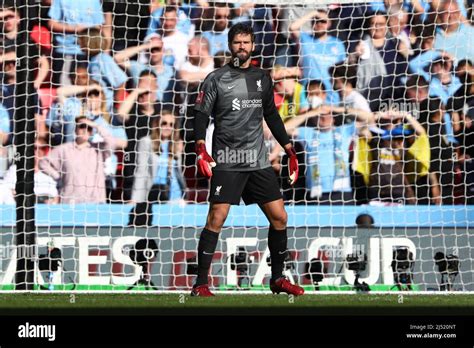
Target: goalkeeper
(239, 97)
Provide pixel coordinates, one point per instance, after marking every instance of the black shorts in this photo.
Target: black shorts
(259, 186)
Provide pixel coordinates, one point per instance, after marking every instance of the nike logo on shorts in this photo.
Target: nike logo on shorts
(230, 87)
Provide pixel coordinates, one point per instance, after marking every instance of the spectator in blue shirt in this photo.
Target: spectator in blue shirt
(68, 19)
(455, 35)
(319, 50)
(154, 60)
(419, 7)
(89, 101)
(444, 83)
(103, 68)
(184, 24)
(61, 117)
(217, 35)
(327, 153)
(425, 53)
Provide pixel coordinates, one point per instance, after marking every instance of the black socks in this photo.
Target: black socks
(277, 243)
(206, 247)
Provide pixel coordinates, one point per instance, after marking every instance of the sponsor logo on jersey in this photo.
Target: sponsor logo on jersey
(235, 104)
(251, 103)
(246, 104)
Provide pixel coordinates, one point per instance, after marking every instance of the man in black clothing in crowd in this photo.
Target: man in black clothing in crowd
(239, 97)
(129, 20)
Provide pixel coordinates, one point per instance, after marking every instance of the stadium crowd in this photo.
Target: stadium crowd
(378, 98)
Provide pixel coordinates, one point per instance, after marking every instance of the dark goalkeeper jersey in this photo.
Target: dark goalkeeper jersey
(237, 99)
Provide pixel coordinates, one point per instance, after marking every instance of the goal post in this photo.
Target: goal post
(24, 139)
(99, 188)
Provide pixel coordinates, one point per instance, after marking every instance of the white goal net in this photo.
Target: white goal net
(384, 200)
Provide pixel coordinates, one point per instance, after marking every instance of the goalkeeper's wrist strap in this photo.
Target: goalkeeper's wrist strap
(201, 148)
(290, 151)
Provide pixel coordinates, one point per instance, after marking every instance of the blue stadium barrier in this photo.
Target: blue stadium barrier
(298, 216)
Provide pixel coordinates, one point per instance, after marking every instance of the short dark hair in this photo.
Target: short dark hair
(147, 72)
(10, 7)
(318, 83)
(429, 108)
(344, 71)
(220, 5)
(368, 19)
(417, 81)
(428, 31)
(378, 13)
(80, 118)
(240, 28)
(464, 61)
(78, 64)
(170, 8)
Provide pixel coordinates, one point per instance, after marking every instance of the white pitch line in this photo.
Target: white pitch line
(229, 292)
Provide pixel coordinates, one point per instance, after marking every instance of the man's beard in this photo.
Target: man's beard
(318, 34)
(220, 27)
(194, 60)
(240, 57)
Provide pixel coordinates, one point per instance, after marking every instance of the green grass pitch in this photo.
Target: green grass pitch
(70, 302)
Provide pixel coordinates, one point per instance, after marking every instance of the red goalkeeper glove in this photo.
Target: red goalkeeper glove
(293, 169)
(205, 161)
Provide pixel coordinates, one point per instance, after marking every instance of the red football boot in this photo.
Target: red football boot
(283, 285)
(201, 291)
